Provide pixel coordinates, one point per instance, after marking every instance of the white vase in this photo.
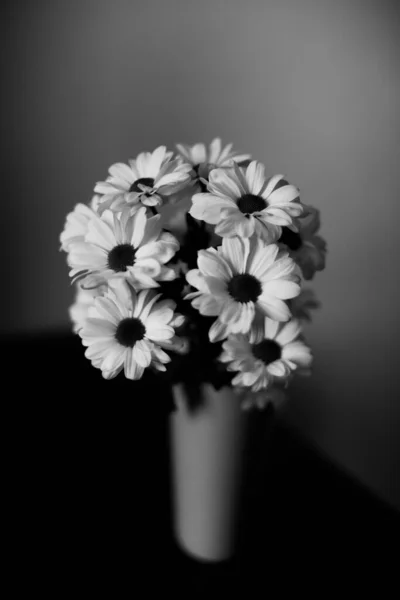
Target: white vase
(206, 455)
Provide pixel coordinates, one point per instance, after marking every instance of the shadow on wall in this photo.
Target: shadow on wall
(350, 404)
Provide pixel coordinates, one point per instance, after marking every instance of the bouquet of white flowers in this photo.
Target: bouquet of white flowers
(192, 265)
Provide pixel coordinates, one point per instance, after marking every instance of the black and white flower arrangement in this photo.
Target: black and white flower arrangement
(192, 265)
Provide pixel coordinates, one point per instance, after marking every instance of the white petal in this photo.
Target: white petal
(104, 187)
(154, 322)
(271, 328)
(148, 266)
(245, 227)
(208, 306)
(260, 258)
(141, 354)
(114, 358)
(196, 279)
(230, 314)
(100, 233)
(184, 151)
(217, 286)
(122, 171)
(108, 310)
(156, 160)
(224, 184)
(299, 353)
(271, 185)
(99, 349)
(87, 256)
(236, 250)
(207, 207)
(212, 265)
(276, 216)
(147, 299)
(281, 288)
(289, 332)
(287, 193)
(158, 332)
(98, 328)
(143, 165)
(139, 225)
(199, 154)
(218, 331)
(277, 369)
(274, 308)
(227, 226)
(160, 356)
(255, 175)
(282, 267)
(132, 369)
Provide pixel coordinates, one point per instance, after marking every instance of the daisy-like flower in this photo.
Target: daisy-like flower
(242, 202)
(239, 279)
(123, 245)
(275, 357)
(303, 305)
(76, 223)
(306, 247)
(148, 179)
(203, 159)
(128, 330)
(78, 311)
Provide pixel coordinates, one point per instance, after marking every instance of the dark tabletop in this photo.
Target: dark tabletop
(88, 462)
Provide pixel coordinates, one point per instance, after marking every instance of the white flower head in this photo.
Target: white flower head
(260, 362)
(128, 330)
(147, 179)
(306, 247)
(239, 279)
(243, 202)
(76, 223)
(203, 159)
(123, 245)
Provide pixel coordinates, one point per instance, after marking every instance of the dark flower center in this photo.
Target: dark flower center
(121, 257)
(244, 288)
(290, 238)
(268, 351)
(147, 181)
(130, 331)
(249, 203)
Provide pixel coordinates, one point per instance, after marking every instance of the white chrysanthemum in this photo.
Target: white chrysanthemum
(204, 159)
(128, 330)
(125, 245)
(147, 180)
(242, 202)
(259, 362)
(78, 311)
(239, 279)
(306, 247)
(303, 305)
(76, 223)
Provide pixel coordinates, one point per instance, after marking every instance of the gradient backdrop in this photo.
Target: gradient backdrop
(310, 87)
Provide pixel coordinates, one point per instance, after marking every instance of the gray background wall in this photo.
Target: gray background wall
(309, 87)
